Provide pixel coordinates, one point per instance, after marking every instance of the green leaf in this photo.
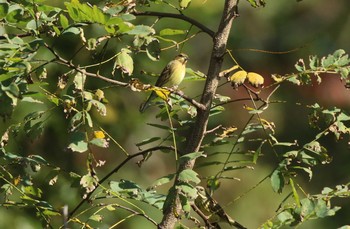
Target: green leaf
(81, 12)
(52, 212)
(295, 193)
(76, 121)
(78, 142)
(191, 156)
(33, 116)
(97, 218)
(188, 190)
(33, 25)
(64, 21)
(216, 110)
(188, 175)
(79, 81)
(153, 50)
(163, 180)
(101, 108)
(124, 62)
(14, 14)
(184, 4)
(33, 191)
(98, 15)
(4, 7)
(100, 142)
(147, 141)
(230, 168)
(185, 204)
(194, 75)
(125, 187)
(33, 130)
(253, 3)
(154, 199)
(159, 126)
(141, 30)
(31, 100)
(171, 32)
(277, 181)
(71, 30)
(285, 217)
(89, 182)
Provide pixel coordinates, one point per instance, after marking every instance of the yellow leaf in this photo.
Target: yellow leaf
(248, 108)
(238, 78)
(162, 93)
(99, 134)
(99, 94)
(224, 72)
(228, 131)
(16, 180)
(255, 79)
(277, 78)
(184, 4)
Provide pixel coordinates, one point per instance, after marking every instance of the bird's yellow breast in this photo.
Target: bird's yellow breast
(177, 73)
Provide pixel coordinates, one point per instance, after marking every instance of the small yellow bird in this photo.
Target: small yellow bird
(171, 76)
(212, 210)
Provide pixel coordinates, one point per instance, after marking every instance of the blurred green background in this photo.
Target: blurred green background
(283, 31)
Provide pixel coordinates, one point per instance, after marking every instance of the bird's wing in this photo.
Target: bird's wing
(164, 76)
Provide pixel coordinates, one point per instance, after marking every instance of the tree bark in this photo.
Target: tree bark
(194, 140)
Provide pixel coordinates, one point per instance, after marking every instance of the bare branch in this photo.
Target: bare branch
(188, 99)
(213, 130)
(116, 169)
(178, 16)
(135, 212)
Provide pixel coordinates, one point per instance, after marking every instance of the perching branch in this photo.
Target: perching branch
(198, 131)
(133, 83)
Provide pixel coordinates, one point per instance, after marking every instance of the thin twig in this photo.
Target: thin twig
(200, 213)
(116, 169)
(212, 130)
(136, 213)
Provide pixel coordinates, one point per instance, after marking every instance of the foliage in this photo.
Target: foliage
(33, 95)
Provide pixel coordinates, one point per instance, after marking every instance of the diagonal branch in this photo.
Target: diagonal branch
(115, 170)
(178, 16)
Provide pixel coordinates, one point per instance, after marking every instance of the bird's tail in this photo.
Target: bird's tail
(146, 104)
(236, 224)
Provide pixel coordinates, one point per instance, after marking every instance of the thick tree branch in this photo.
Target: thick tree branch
(195, 138)
(178, 16)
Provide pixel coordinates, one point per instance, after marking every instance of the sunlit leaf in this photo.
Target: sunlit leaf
(124, 62)
(188, 175)
(238, 78)
(255, 79)
(97, 218)
(78, 142)
(89, 182)
(171, 32)
(191, 156)
(64, 21)
(163, 180)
